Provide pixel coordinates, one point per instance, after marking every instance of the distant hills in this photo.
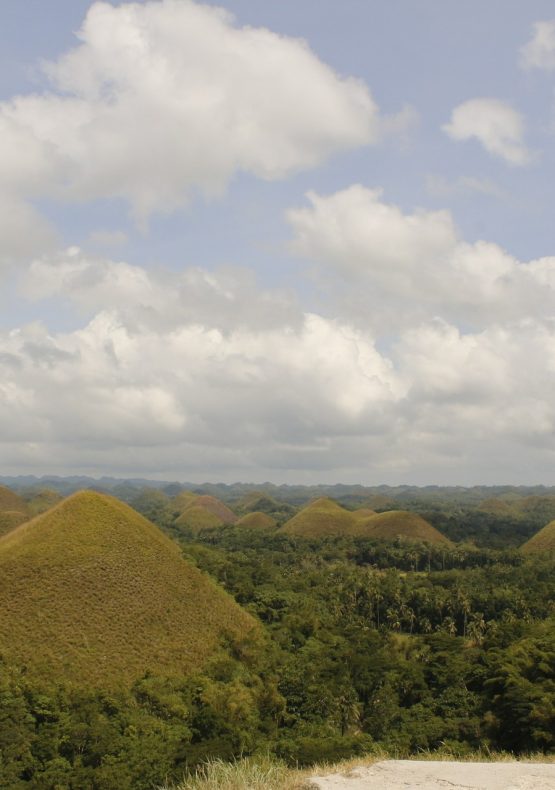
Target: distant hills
(92, 592)
(352, 495)
(324, 517)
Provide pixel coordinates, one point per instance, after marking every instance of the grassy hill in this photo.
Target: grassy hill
(197, 518)
(320, 518)
(257, 520)
(543, 542)
(9, 500)
(93, 592)
(400, 523)
(42, 500)
(213, 505)
(9, 519)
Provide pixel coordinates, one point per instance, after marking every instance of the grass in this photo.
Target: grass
(400, 523)
(270, 774)
(320, 518)
(9, 500)
(42, 500)
(9, 519)
(202, 512)
(325, 517)
(246, 774)
(257, 520)
(92, 592)
(542, 542)
(198, 518)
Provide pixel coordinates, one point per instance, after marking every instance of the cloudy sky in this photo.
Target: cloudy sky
(297, 241)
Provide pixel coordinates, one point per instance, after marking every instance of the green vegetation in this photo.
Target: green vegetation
(123, 665)
(92, 592)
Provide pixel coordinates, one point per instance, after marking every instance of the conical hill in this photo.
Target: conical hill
(199, 511)
(9, 500)
(13, 510)
(543, 542)
(92, 592)
(318, 519)
(257, 520)
(197, 518)
(402, 524)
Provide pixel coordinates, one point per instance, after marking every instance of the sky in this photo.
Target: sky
(298, 242)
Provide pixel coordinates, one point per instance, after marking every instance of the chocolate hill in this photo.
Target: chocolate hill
(543, 542)
(91, 591)
(13, 510)
(395, 524)
(325, 517)
(198, 512)
(257, 520)
(318, 519)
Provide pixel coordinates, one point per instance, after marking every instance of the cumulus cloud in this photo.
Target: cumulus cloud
(395, 269)
(539, 52)
(163, 99)
(195, 375)
(495, 124)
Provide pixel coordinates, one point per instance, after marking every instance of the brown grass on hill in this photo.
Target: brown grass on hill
(42, 500)
(400, 524)
(183, 500)
(216, 507)
(9, 519)
(363, 512)
(94, 593)
(197, 518)
(257, 520)
(543, 542)
(9, 500)
(320, 518)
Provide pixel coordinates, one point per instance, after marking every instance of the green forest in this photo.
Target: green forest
(350, 641)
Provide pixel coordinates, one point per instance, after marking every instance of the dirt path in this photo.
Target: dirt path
(423, 775)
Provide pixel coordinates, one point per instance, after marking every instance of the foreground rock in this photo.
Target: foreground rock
(409, 774)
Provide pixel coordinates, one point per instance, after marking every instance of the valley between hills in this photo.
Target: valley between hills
(148, 628)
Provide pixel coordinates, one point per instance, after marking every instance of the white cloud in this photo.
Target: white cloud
(198, 374)
(23, 232)
(163, 99)
(539, 52)
(394, 269)
(495, 124)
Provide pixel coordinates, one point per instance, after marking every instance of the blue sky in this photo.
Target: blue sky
(396, 326)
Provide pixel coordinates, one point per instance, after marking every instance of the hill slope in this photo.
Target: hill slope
(93, 592)
(9, 500)
(400, 523)
(318, 519)
(542, 542)
(257, 520)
